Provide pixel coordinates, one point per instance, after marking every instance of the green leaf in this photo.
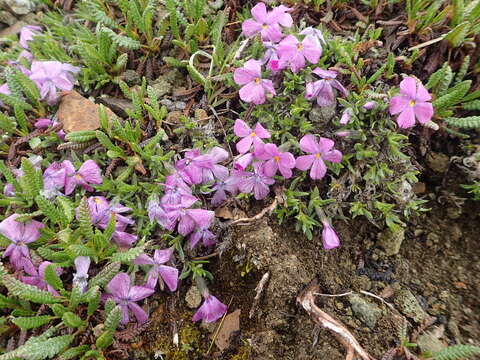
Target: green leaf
(81, 136)
(105, 340)
(126, 257)
(72, 320)
(26, 323)
(85, 220)
(94, 300)
(58, 309)
(52, 278)
(75, 298)
(457, 352)
(457, 35)
(113, 319)
(73, 352)
(471, 122)
(31, 181)
(105, 275)
(50, 211)
(28, 292)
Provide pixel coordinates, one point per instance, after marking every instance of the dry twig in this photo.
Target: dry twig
(267, 210)
(307, 300)
(259, 290)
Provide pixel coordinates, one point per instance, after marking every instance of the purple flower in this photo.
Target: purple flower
(159, 271)
(89, 173)
(54, 178)
(315, 34)
(191, 168)
(265, 23)
(27, 33)
(223, 185)
(216, 171)
(173, 195)
(276, 160)
(187, 218)
(345, 119)
(320, 151)
(270, 57)
(50, 75)
(157, 212)
(257, 182)
(293, 53)
(254, 87)
(37, 277)
(8, 190)
(46, 123)
(243, 161)
(80, 278)
(369, 105)
(211, 310)
(280, 15)
(411, 103)
(241, 129)
(126, 296)
(323, 89)
(20, 234)
(204, 234)
(330, 239)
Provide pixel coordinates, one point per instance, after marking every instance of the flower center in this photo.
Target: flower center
(253, 134)
(264, 27)
(277, 158)
(411, 103)
(97, 200)
(257, 80)
(299, 47)
(78, 176)
(318, 155)
(328, 79)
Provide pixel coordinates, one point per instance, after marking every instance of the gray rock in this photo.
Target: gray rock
(364, 310)
(409, 306)
(193, 298)
(320, 115)
(19, 7)
(132, 78)
(430, 341)
(180, 105)
(391, 241)
(12, 30)
(118, 106)
(162, 87)
(7, 18)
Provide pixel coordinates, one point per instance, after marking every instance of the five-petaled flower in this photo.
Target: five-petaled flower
(267, 23)
(293, 52)
(413, 102)
(211, 310)
(241, 129)
(276, 160)
(37, 277)
(323, 89)
(20, 234)
(319, 150)
(126, 296)
(253, 86)
(159, 271)
(257, 181)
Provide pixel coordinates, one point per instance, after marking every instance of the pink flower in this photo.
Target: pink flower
(89, 173)
(221, 186)
(211, 310)
(168, 274)
(50, 75)
(323, 89)
(216, 155)
(320, 151)
(20, 234)
(241, 129)
(411, 103)
(257, 182)
(37, 277)
(254, 87)
(125, 295)
(293, 53)
(369, 105)
(204, 234)
(188, 218)
(191, 168)
(80, 278)
(315, 34)
(270, 57)
(345, 119)
(27, 33)
(276, 160)
(266, 23)
(330, 239)
(280, 15)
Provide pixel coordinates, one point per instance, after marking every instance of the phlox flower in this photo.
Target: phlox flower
(157, 212)
(80, 278)
(37, 277)
(270, 56)
(216, 155)
(221, 187)
(257, 182)
(191, 167)
(89, 173)
(188, 218)
(242, 161)
(46, 123)
(204, 234)
(293, 52)
(267, 23)
(276, 161)
(412, 103)
(20, 234)
(253, 86)
(159, 271)
(315, 34)
(211, 310)
(345, 119)
(330, 238)
(27, 33)
(126, 296)
(369, 105)
(241, 129)
(319, 150)
(52, 75)
(323, 89)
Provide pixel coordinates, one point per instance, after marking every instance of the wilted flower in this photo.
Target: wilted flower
(293, 53)
(320, 151)
(191, 167)
(267, 23)
(330, 239)
(254, 87)
(241, 129)
(276, 160)
(89, 173)
(221, 186)
(37, 277)
(167, 273)
(27, 33)
(411, 103)
(242, 161)
(80, 278)
(20, 234)
(369, 105)
(323, 89)
(315, 34)
(270, 56)
(211, 310)
(257, 182)
(125, 295)
(50, 75)
(345, 119)
(204, 234)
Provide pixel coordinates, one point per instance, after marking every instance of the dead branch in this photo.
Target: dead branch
(261, 214)
(307, 299)
(259, 290)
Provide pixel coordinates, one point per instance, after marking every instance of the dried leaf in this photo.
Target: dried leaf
(231, 325)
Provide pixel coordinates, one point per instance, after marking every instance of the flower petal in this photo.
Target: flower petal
(304, 162)
(398, 104)
(333, 156)
(423, 111)
(139, 313)
(170, 276)
(259, 12)
(241, 129)
(119, 285)
(406, 119)
(252, 92)
(138, 293)
(318, 169)
(244, 145)
(309, 144)
(408, 87)
(261, 132)
(250, 27)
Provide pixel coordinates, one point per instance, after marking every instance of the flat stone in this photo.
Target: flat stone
(7, 18)
(13, 30)
(365, 311)
(193, 298)
(19, 7)
(118, 106)
(409, 306)
(391, 241)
